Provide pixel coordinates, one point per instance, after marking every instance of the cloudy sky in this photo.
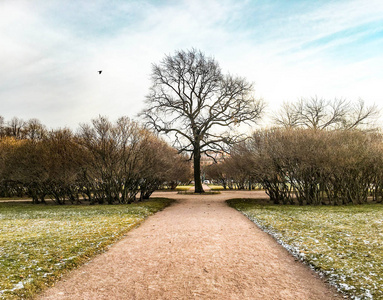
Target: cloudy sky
(51, 51)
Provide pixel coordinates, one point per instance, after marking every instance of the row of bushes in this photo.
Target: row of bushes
(103, 162)
(308, 166)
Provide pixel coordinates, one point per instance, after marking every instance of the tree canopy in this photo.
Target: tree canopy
(197, 105)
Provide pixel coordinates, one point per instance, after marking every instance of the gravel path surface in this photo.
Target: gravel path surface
(198, 248)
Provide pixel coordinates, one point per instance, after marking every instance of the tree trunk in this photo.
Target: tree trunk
(197, 170)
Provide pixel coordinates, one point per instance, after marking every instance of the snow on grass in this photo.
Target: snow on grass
(39, 243)
(343, 243)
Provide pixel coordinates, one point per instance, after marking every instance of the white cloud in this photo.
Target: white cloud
(51, 61)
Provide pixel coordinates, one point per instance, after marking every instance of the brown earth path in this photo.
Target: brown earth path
(198, 248)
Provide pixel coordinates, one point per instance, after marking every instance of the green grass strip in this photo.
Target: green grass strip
(39, 243)
(344, 242)
(184, 187)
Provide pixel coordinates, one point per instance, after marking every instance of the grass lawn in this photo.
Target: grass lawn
(184, 187)
(39, 243)
(344, 242)
(215, 187)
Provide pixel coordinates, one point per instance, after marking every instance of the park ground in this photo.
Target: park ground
(198, 248)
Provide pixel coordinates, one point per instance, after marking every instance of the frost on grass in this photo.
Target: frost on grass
(39, 243)
(343, 243)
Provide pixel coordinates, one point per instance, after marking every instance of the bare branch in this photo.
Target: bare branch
(190, 98)
(318, 113)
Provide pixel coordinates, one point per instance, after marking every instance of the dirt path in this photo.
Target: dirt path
(198, 248)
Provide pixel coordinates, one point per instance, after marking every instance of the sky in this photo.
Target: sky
(51, 51)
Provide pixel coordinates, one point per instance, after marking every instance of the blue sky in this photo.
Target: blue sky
(51, 51)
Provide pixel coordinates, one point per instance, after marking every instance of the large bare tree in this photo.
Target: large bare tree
(197, 105)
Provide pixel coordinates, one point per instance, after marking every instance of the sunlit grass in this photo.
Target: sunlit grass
(215, 187)
(39, 243)
(344, 243)
(184, 187)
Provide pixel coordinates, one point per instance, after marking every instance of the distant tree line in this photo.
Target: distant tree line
(103, 162)
(319, 152)
(323, 153)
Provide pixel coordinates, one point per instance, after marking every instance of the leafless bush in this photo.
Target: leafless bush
(309, 166)
(104, 162)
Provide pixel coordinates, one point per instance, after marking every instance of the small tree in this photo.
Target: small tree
(194, 102)
(15, 127)
(2, 127)
(318, 113)
(34, 130)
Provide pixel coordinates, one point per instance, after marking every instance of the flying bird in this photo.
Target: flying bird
(99, 72)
